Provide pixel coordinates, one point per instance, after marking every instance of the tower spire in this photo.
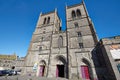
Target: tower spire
(40, 13)
(85, 7)
(66, 5)
(56, 10)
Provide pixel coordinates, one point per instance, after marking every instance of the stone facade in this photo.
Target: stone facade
(11, 62)
(6, 61)
(74, 53)
(56, 53)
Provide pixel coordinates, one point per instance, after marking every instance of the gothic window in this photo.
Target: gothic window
(40, 48)
(44, 21)
(73, 14)
(118, 66)
(78, 13)
(79, 34)
(41, 38)
(60, 28)
(60, 41)
(48, 21)
(76, 24)
(7, 65)
(81, 45)
(43, 32)
(3, 65)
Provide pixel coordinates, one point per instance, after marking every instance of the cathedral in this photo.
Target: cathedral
(68, 54)
(56, 53)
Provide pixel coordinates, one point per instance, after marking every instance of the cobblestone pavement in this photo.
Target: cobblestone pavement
(28, 78)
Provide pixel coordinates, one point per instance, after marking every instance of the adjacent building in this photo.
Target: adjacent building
(6, 61)
(108, 57)
(11, 62)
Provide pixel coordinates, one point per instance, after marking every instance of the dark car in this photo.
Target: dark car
(1, 73)
(5, 72)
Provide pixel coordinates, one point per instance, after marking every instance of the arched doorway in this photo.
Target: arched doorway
(86, 70)
(61, 66)
(42, 68)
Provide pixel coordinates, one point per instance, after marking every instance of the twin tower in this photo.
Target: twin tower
(56, 53)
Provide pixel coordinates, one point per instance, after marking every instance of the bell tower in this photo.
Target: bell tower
(81, 41)
(40, 46)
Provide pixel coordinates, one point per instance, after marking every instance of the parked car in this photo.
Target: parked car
(1, 73)
(5, 72)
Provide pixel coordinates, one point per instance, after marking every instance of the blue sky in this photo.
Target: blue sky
(18, 20)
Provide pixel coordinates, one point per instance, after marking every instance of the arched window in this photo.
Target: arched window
(48, 21)
(81, 45)
(79, 34)
(118, 66)
(73, 14)
(60, 41)
(40, 48)
(60, 28)
(78, 13)
(44, 21)
(76, 24)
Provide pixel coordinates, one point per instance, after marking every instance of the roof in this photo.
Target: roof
(46, 13)
(113, 37)
(75, 5)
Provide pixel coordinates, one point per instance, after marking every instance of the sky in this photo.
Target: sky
(18, 19)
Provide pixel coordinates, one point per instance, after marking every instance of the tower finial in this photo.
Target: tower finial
(66, 5)
(85, 7)
(61, 22)
(40, 13)
(83, 1)
(56, 10)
